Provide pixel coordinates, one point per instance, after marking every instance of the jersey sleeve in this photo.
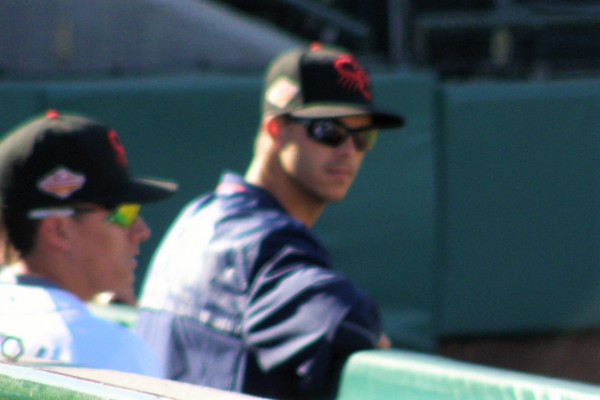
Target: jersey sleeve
(307, 318)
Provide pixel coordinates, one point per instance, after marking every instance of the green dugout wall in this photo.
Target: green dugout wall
(481, 216)
(519, 208)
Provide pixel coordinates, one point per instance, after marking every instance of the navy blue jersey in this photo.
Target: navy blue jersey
(240, 296)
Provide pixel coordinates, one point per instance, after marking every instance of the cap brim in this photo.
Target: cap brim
(143, 190)
(381, 119)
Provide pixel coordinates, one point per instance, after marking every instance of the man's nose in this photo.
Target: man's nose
(140, 231)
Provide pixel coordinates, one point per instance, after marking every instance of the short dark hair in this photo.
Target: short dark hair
(21, 231)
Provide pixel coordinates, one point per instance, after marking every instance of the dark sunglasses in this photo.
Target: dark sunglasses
(123, 215)
(331, 132)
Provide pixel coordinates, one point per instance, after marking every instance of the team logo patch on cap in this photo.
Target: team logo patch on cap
(281, 92)
(352, 76)
(61, 182)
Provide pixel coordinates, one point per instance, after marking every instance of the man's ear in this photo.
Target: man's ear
(273, 126)
(56, 232)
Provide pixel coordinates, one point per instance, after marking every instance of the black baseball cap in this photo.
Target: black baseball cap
(321, 82)
(58, 159)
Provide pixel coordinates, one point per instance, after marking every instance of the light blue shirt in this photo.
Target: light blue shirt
(48, 323)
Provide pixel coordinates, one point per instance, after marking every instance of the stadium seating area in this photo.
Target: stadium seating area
(458, 39)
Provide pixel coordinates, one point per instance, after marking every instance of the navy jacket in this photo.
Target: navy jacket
(240, 296)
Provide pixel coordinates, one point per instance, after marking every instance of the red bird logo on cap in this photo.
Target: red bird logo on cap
(352, 76)
(117, 146)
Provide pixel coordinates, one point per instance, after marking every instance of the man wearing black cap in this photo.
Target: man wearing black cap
(241, 295)
(71, 211)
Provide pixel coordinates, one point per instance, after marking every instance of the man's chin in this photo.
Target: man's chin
(336, 197)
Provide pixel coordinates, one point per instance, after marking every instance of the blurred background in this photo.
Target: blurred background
(476, 227)
(458, 39)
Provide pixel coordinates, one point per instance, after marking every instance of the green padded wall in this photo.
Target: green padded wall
(467, 221)
(520, 207)
(391, 375)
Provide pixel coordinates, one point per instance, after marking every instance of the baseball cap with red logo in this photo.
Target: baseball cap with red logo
(57, 159)
(321, 82)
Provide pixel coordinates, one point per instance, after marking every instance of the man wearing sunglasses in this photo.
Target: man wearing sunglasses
(241, 295)
(70, 210)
